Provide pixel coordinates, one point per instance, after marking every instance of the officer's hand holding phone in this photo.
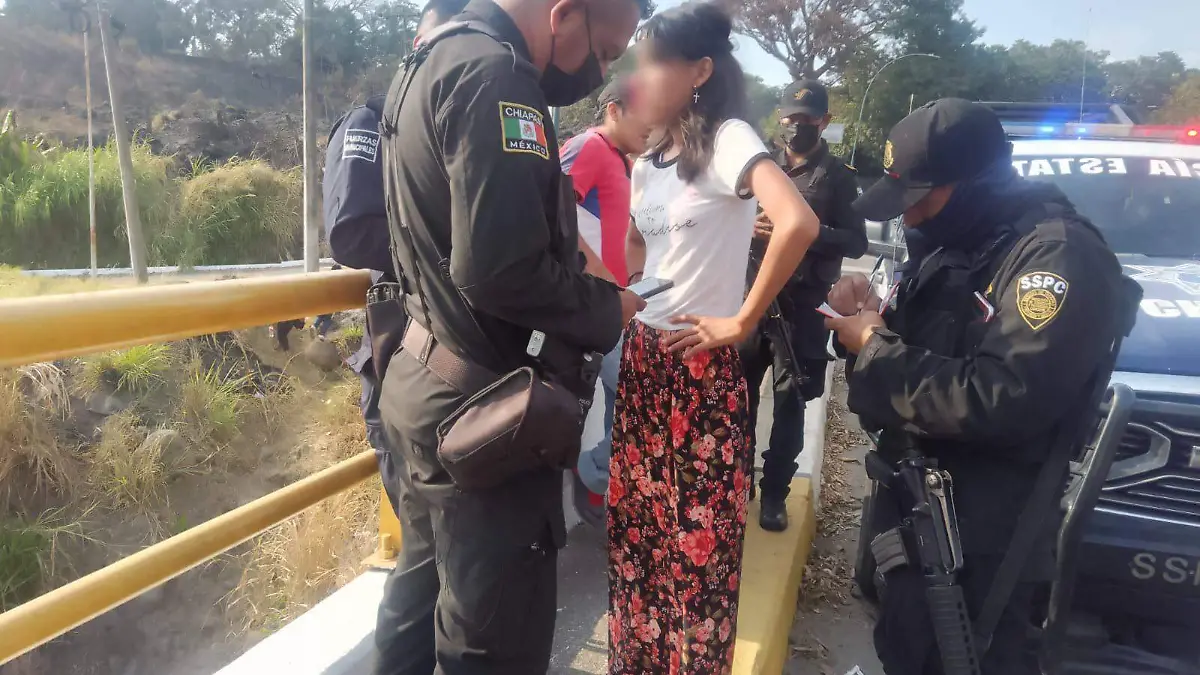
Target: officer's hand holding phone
(631, 303)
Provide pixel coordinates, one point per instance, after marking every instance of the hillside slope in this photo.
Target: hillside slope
(196, 107)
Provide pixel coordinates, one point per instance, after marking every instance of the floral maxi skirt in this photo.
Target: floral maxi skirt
(677, 496)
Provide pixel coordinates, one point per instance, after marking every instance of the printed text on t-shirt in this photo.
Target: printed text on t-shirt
(652, 221)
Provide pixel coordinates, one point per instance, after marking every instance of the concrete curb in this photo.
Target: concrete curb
(773, 564)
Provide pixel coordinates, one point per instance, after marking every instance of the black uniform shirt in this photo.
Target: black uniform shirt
(473, 170)
(981, 382)
(843, 232)
(829, 187)
(355, 213)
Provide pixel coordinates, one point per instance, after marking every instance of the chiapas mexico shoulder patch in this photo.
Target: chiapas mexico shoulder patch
(524, 130)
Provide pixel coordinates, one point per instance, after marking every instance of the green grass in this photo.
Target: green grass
(133, 370)
(28, 553)
(23, 554)
(349, 337)
(242, 211)
(44, 202)
(211, 405)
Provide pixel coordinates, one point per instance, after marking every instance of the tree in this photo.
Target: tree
(1146, 82)
(815, 38)
(1183, 106)
(762, 100)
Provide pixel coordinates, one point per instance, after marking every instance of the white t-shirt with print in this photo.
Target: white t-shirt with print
(698, 235)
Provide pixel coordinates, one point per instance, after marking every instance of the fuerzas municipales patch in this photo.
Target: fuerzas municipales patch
(1040, 297)
(361, 144)
(523, 130)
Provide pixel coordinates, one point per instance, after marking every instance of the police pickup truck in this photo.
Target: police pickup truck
(1136, 607)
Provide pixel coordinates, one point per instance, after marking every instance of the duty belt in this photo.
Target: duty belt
(451, 368)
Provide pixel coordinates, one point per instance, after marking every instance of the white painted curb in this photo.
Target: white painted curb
(810, 460)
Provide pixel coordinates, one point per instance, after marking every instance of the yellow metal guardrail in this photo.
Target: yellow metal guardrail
(48, 616)
(57, 326)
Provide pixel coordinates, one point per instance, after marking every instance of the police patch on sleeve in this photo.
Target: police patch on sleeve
(523, 130)
(361, 144)
(1040, 296)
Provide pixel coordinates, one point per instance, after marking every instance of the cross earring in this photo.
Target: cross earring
(695, 95)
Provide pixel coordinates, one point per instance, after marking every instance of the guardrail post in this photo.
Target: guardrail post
(389, 536)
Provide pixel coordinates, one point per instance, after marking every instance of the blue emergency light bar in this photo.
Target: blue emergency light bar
(1124, 132)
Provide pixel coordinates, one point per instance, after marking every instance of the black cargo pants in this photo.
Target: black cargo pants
(760, 356)
(474, 591)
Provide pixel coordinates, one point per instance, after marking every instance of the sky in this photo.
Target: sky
(1125, 28)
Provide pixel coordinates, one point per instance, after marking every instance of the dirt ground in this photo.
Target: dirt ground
(832, 633)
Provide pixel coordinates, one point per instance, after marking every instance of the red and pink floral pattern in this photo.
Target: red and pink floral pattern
(677, 509)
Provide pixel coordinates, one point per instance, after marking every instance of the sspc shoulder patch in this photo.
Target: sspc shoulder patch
(524, 130)
(361, 144)
(1040, 296)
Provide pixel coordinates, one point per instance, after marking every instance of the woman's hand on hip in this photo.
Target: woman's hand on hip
(707, 332)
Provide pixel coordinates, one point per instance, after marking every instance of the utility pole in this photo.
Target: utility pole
(311, 217)
(133, 223)
(87, 76)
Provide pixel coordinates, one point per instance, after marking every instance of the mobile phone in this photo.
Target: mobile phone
(648, 288)
(828, 311)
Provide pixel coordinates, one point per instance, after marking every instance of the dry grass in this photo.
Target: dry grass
(294, 566)
(128, 472)
(828, 575)
(30, 449)
(16, 284)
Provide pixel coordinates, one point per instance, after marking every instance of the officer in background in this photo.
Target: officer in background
(356, 225)
(982, 353)
(830, 187)
(488, 249)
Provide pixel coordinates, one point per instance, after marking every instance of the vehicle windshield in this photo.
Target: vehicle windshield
(1144, 205)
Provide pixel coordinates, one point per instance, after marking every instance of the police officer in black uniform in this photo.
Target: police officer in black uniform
(356, 226)
(830, 187)
(997, 328)
(488, 255)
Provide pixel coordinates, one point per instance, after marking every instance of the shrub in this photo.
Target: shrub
(240, 212)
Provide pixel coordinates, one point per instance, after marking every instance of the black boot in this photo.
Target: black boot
(773, 517)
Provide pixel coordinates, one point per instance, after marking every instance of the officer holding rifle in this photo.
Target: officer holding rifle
(972, 365)
(791, 341)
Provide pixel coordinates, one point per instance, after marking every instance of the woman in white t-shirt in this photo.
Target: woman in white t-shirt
(682, 455)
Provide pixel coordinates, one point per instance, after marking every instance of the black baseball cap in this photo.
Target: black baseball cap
(943, 142)
(804, 97)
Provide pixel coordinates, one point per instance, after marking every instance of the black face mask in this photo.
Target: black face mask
(562, 88)
(802, 138)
